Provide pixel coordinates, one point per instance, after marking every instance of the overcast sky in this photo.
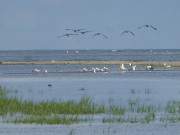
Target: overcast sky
(35, 24)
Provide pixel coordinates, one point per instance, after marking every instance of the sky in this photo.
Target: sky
(35, 24)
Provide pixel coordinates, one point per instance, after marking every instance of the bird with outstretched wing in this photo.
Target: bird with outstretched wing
(100, 34)
(128, 32)
(75, 30)
(147, 26)
(67, 35)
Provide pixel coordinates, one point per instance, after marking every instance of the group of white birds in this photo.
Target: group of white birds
(37, 70)
(123, 67)
(96, 69)
(131, 67)
(93, 69)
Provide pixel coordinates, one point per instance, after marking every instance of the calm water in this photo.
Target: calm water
(38, 55)
(102, 88)
(68, 82)
(41, 55)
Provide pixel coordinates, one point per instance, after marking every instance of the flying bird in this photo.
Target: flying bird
(128, 32)
(100, 34)
(67, 35)
(147, 26)
(75, 30)
(84, 32)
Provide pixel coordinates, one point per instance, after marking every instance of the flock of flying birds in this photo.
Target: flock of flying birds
(81, 31)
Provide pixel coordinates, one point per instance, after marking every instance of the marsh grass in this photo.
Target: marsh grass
(68, 112)
(84, 106)
(117, 110)
(145, 109)
(48, 120)
(172, 112)
(40, 112)
(71, 132)
(112, 120)
(149, 117)
(173, 107)
(3, 92)
(15, 105)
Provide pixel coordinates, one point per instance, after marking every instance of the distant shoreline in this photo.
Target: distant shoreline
(92, 62)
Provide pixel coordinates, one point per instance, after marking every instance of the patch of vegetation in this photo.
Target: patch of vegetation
(145, 109)
(117, 110)
(48, 120)
(112, 120)
(3, 92)
(68, 112)
(84, 106)
(149, 117)
(173, 107)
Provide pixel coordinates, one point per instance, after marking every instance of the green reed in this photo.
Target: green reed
(48, 120)
(68, 112)
(84, 106)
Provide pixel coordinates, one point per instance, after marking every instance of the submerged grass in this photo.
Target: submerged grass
(47, 112)
(149, 117)
(117, 110)
(48, 120)
(84, 106)
(3, 92)
(173, 107)
(68, 112)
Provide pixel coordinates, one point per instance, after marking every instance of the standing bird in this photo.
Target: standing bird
(134, 67)
(123, 68)
(100, 34)
(149, 68)
(147, 26)
(67, 35)
(128, 32)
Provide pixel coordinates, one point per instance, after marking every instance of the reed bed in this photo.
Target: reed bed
(68, 112)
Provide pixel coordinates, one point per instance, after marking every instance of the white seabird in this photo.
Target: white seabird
(149, 68)
(122, 67)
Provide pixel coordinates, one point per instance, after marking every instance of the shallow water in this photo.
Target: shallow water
(91, 129)
(148, 87)
(69, 83)
(40, 55)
